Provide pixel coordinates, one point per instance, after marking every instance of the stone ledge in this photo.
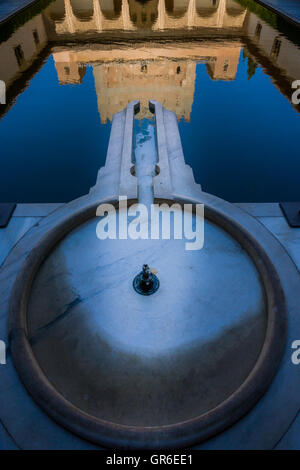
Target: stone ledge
(36, 210)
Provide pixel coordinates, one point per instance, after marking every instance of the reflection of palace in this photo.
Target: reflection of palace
(166, 74)
(149, 70)
(72, 16)
(170, 83)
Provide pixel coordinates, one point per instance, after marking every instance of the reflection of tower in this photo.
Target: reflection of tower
(171, 83)
(69, 72)
(224, 66)
(154, 73)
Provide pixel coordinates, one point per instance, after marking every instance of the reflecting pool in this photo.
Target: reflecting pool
(225, 67)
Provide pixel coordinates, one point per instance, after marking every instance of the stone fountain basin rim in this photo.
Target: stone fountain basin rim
(177, 435)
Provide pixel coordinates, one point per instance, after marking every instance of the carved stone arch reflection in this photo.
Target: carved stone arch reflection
(111, 9)
(56, 11)
(234, 8)
(176, 8)
(82, 10)
(143, 13)
(207, 8)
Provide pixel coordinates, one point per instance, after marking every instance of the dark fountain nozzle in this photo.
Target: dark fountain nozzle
(146, 282)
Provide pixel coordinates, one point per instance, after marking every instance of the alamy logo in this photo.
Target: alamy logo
(2, 352)
(296, 94)
(157, 221)
(296, 353)
(2, 92)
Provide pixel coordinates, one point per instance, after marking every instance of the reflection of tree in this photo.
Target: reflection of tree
(262, 12)
(252, 65)
(276, 22)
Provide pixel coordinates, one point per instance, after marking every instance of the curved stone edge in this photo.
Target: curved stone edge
(260, 429)
(169, 436)
(272, 415)
(24, 419)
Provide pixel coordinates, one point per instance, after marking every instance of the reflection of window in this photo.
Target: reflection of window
(178, 70)
(67, 70)
(275, 48)
(257, 31)
(19, 55)
(36, 36)
(144, 17)
(226, 65)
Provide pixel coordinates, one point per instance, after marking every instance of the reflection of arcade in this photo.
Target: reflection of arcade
(165, 74)
(72, 16)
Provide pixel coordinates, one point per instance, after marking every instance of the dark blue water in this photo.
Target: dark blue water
(52, 141)
(243, 138)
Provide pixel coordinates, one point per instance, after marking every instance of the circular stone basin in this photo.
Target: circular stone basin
(164, 370)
